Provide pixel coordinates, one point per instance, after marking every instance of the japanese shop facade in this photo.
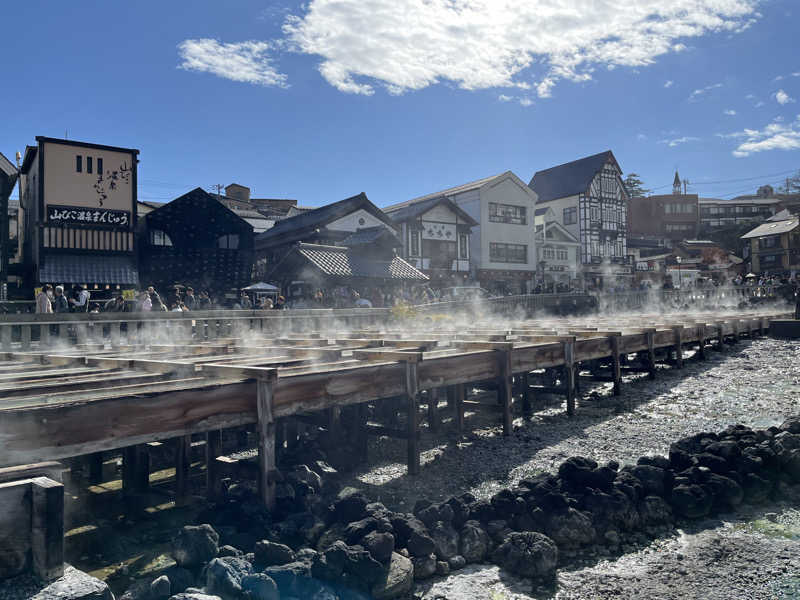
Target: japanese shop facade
(78, 213)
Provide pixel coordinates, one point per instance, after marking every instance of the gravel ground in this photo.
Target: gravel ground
(756, 383)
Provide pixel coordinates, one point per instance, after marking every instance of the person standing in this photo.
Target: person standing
(190, 299)
(43, 303)
(82, 302)
(60, 304)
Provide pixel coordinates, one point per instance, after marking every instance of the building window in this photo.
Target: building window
(768, 242)
(88, 164)
(571, 215)
(99, 166)
(507, 213)
(594, 213)
(562, 254)
(229, 241)
(463, 245)
(508, 253)
(414, 251)
(159, 238)
(678, 227)
(78, 164)
(548, 253)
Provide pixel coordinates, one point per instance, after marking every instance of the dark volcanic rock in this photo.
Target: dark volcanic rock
(569, 529)
(380, 545)
(691, 501)
(474, 542)
(195, 545)
(269, 553)
(445, 539)
(654, 479)
(529, 554)
(224, 575)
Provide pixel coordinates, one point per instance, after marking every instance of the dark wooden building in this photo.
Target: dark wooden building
(196, 241)
(8, 179)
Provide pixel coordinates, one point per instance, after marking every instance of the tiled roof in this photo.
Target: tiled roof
(341, 262)
(87, 268)
(415, 208)
(775, 228)
(569, 179)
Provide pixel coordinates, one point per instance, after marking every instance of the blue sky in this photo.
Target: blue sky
(398, 98)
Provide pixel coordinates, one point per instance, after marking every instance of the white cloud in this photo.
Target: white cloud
(730, 112)
(641, 137)
(243, 61)
(504, 98)
(678, 141)
(783, 98)
(525, 101)
(775, 136)
(668, 83)
(759, 104)
(696, 94)
(479, 44)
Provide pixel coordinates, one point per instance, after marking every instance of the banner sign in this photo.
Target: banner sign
(87, 216)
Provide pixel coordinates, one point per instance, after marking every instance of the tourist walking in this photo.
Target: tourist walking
(60, 304)
(81, 303)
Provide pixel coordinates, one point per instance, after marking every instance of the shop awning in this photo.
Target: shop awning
(88, 268)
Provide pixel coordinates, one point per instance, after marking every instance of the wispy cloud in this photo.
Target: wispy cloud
(782, 97)
(730, 112)
(698, 93)
(777, 135)
(521, 100)
(678, 141)
(504, 98)
(525, 101)
(641, 137)
(248, 62)
(668, 83)
(406, 45)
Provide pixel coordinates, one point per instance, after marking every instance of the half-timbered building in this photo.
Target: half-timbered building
(589, 199)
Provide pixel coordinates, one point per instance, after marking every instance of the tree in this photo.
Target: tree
(634, 186)
(791, 185)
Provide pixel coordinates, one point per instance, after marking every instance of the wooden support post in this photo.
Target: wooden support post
(266, 442)
(701, 347)
(334, 416)
(526, 391)
(433, 409)
(44, 335)
(615, 366)
(362, 440)
(183, 465)
(291, 432)
(504, 382)
(412, 385)
(213, 474)
(459, 392)
(735, 337)
(569, 374)
(80, 332)
(651, 353)
(25, 337)
(678, 332)
(720, 336)
(135, 469)
(95, 461)
(47, 531)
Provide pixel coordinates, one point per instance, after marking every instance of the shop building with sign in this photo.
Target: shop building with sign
(78, 206)
(435, 237)
(502, 248)
(589, 199)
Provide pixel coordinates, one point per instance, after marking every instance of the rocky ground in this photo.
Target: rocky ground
(739, 555)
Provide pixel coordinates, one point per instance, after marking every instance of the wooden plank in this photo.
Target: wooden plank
(47, 528)
(678, 331)
(433, 409)
(183, 463)
(569, 373)
(505, 395)
(459, 392)
(615, 364)
(15, 524)
(213, 468)
(266, 442)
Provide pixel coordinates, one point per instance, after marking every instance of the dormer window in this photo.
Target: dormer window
(229, 241)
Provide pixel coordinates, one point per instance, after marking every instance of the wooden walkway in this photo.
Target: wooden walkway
(94, 397)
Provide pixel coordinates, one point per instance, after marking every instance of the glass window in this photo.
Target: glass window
(88, 164)
(159, 238)
(594, 213)
(414, 251)
(78, 163)
(229, 241)
(463, 245)
(571, 215)
(99, 166)
(508, 253)
(507, 213)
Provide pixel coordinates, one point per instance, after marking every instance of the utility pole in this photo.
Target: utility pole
(218, 187)
(685, 185)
